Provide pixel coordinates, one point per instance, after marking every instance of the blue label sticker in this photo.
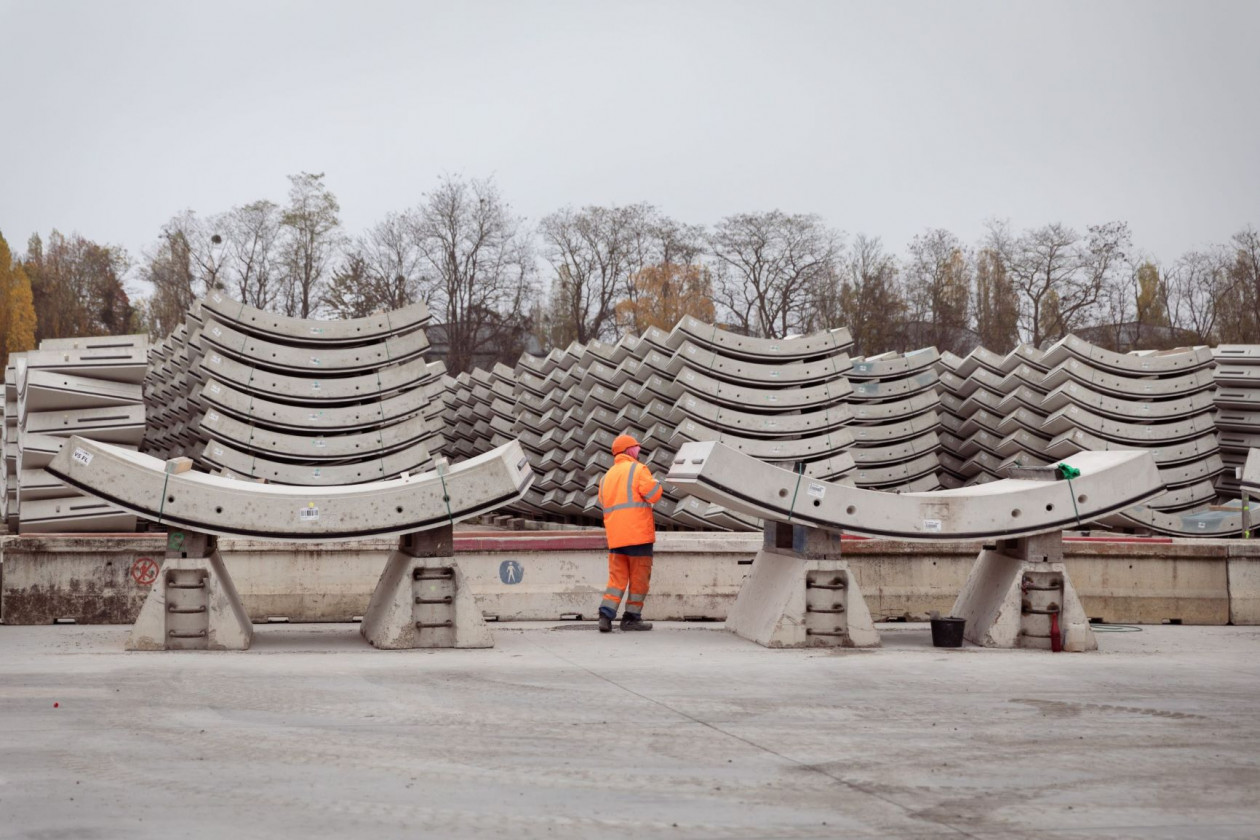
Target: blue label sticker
(510, 571)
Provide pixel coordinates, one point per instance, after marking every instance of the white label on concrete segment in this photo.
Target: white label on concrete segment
(932, 526)
(315, 360)
(217, 331)
(215, 359)
(215, 389)
(310, 513)
(816, 490)
(82, 456)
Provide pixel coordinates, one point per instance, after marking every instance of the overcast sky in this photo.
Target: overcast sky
(883, 118)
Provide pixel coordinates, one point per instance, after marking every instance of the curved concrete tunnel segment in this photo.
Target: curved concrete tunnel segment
(1109, 482)
(226, 507)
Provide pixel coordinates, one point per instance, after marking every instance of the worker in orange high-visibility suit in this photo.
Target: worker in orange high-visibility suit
(627, 493)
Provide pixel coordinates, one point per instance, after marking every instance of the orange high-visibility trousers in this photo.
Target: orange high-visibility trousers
(628, 577)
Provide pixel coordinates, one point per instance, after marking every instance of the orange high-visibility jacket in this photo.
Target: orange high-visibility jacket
(627, 494)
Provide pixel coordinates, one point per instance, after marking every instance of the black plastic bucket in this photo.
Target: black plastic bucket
(948, 631)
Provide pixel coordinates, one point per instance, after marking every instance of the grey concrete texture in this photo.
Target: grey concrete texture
(89, 387)
(1086, 397)
(149, 488)
(352, 390)
(684, 732)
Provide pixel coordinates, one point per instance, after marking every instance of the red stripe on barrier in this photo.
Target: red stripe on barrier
(538, 541)
(1158, 540)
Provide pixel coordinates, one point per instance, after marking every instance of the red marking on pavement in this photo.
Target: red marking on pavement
(144, 571)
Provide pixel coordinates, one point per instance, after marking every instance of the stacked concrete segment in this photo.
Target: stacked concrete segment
(88, 387)
(9, 450)
(781, 401)
(1160, 401)
(560, 425)
(895, 427)
(479, 412)
(990, 414)
(251, 394)
(1032, 408)
(1237, 401)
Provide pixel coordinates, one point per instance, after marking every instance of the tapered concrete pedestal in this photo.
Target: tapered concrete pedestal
(801, 593)
(193, 604)
(1016, 594)
(422, 599)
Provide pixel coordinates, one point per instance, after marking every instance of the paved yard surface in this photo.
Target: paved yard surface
(684, 732)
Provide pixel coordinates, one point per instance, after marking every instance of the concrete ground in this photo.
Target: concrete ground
(684, 732)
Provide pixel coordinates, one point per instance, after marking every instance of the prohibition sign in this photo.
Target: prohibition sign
(144, 571)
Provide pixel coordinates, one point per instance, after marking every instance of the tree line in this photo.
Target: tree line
(497, 285)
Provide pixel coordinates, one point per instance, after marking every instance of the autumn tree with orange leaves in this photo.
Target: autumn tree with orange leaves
(664, 293)
(17, 307)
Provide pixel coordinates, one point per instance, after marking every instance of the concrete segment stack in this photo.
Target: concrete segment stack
(894, 422)
(1237, 401)
(1032, 408)
(990, 414)
(9, 450)
(1160, 401)
(88, 387)
(479, 412)
(781, 401)
(251, 394)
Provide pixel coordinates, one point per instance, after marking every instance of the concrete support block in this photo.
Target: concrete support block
(1244, 582)
(801, 593)
(1012, 589)
(423, 600)
(193, 604)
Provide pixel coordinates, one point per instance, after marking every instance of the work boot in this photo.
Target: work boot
(629, 621)
(605, 623)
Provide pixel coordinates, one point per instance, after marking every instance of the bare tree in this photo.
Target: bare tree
(477, 269)
(252, 234)
(766, 265)
(188, 259)
(312, 236)
(864, 295)
(594, 251)
(997, 305)
(1198, 285)
(1240, 320)
(381, 271)
(938, 291)
(170, 269)
(1059, 274)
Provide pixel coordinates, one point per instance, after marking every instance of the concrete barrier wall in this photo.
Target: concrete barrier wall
(1129, 581)
(548, 575)
(1244, 582)
(516, 577)
(86, 578)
